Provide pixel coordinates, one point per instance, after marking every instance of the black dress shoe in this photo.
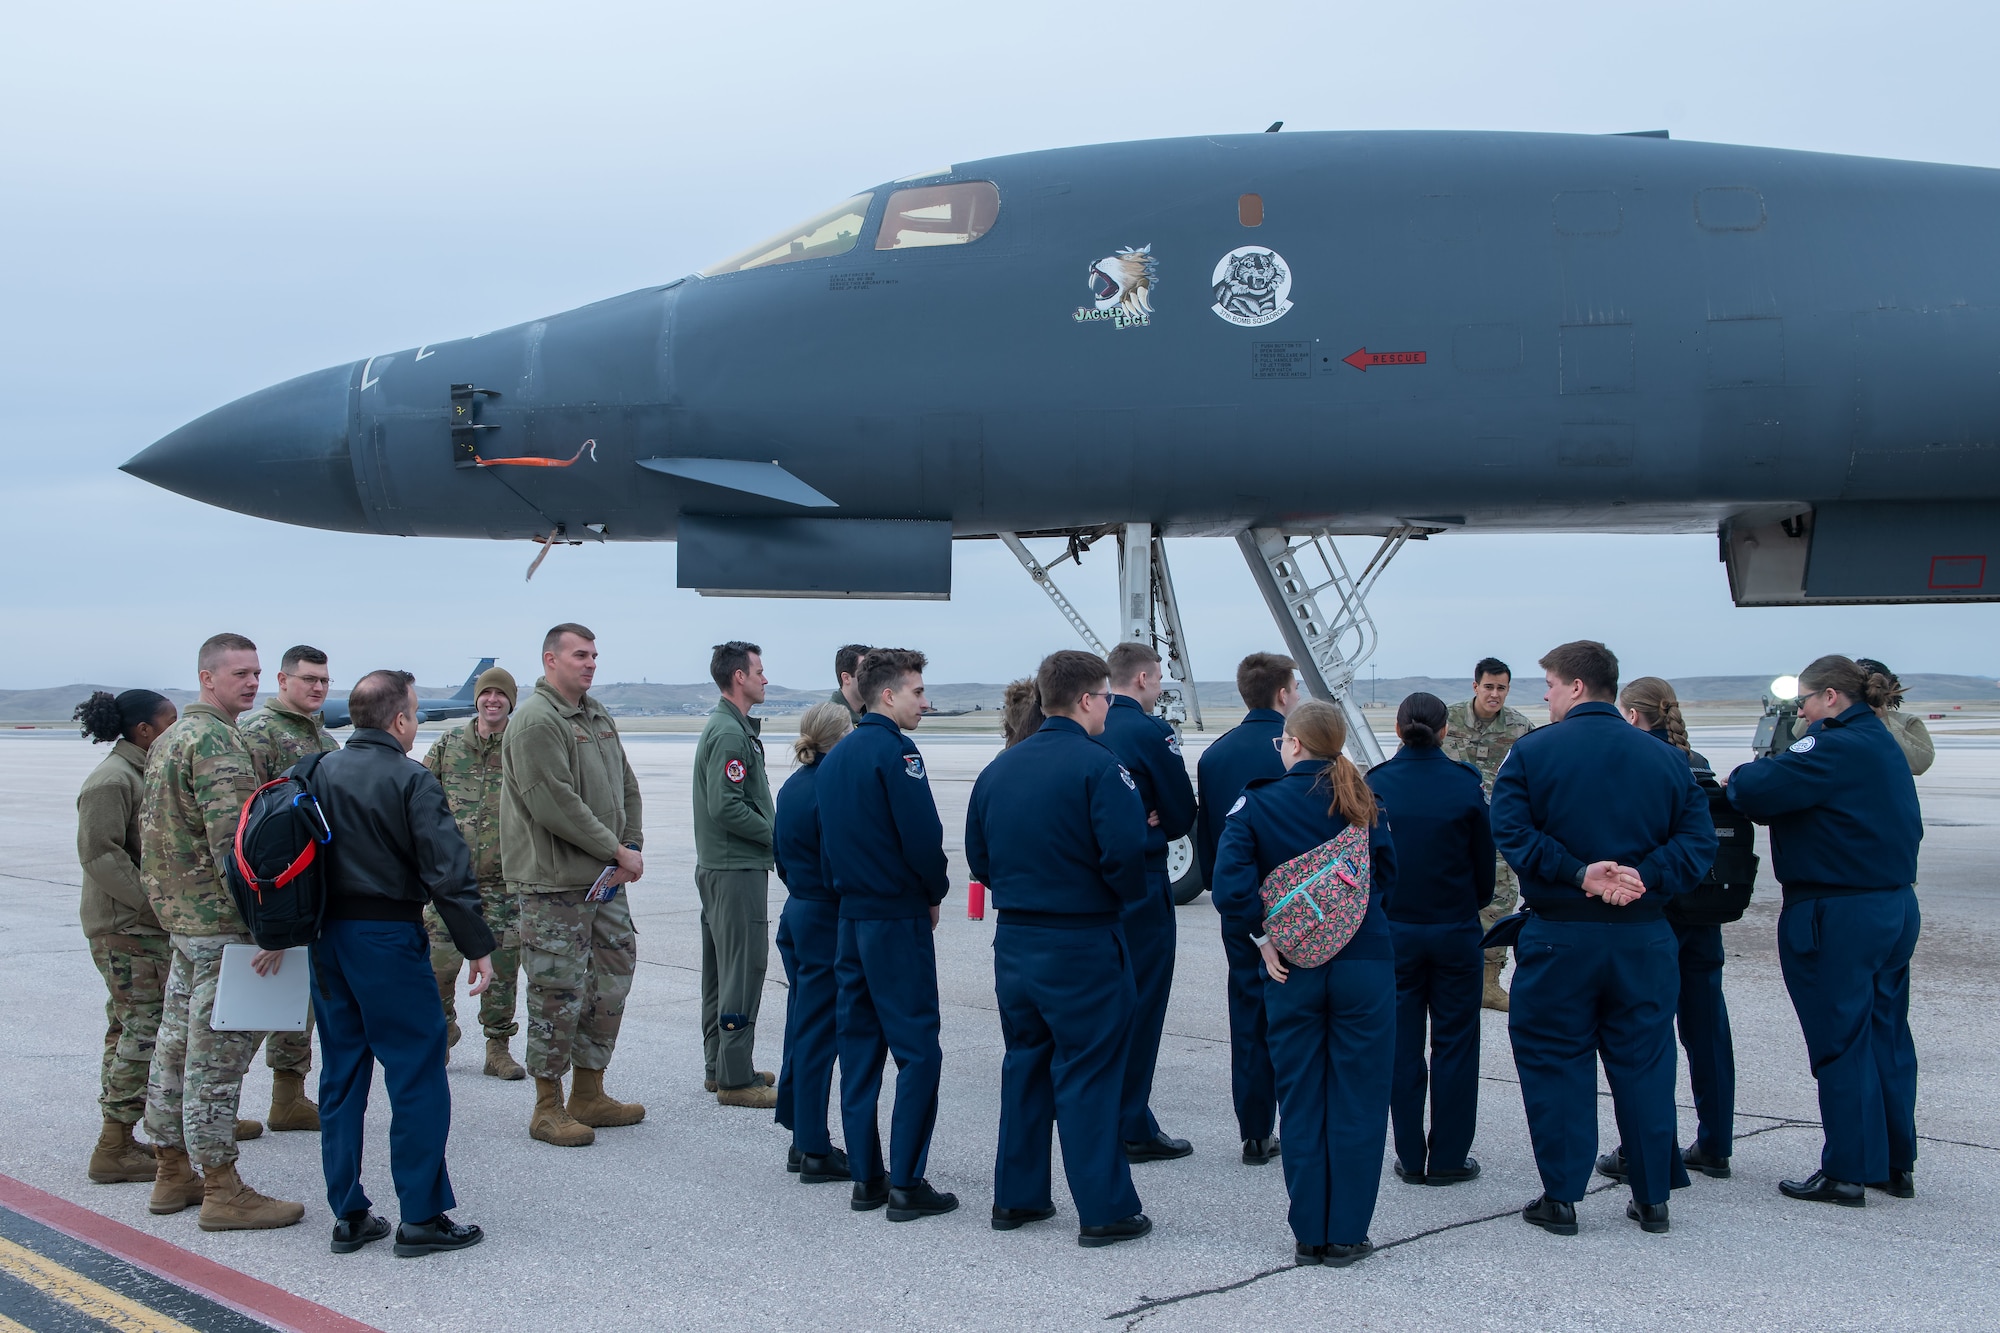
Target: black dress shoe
(1457, 1175)
(919, 1200)
(792, 1159)
(1612, 1164)
(1551, 1215)
(1159, 1148)
(1256, 1152)
(1307, 1256)
(1125, 1228)
(869, 1194)
(815, 1169)
(438, 1234)
(1008, 1219)
(1899, 1185)
(1340, 1256)
(1819, 1187)
(1715, 1168)
(350, 1233)
(1407, 1176)
(1651, 1217)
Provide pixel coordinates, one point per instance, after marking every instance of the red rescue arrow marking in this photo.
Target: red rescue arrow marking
(1362, 358)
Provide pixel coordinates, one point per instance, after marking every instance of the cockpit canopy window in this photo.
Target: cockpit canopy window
(833, 232)
(955, 214)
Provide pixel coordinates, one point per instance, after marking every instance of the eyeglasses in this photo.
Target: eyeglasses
(313, 680)
(1278, 743)
(1105, 695)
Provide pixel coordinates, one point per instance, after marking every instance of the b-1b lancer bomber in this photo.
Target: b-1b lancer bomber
(1282, 338)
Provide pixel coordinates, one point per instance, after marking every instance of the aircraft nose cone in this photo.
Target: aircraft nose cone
(280, 453)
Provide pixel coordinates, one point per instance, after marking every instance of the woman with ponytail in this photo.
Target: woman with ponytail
(127, 941)
(1444, 876)
(1332, 1023)
(808, 936)
(1650, 704)
(1845, 826)
(1908, 729)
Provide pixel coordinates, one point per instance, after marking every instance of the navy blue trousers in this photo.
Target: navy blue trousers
(376, 1000)
(1252, 1086)
(808, 940)
(1440, 975)
(1333, 1045)
(1151, 933)
(1846, 961)
(888, 1005)
(1703, 1016)
(1066, 999)
(1582, 988)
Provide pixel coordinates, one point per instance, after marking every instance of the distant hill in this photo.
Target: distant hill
(56, 705)
(645, 699)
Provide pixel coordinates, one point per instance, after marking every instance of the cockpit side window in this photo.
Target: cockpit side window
(955, 214)
(830, 233)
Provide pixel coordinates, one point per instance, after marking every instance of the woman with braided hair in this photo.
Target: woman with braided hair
(127, 941)
(1650, 704)
(1845, 826)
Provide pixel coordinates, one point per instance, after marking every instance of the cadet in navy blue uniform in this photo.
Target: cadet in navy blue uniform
(1603, 824)
(808, 941)
(1845, 825)
(1444, 877)
(1650, 704)
(1246, 751)
(882, 846)
(1057, 834)
(1151, 753)
(1333, 1027)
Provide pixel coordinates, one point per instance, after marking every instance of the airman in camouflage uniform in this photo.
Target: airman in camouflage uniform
(127, 941)
(1483, 741)
(466, 761)
(198, 774)
(277, 736)
(569, 808)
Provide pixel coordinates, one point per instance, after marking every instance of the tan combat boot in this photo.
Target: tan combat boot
(118, 1160)
(1495, 995)
(249, 1129)
(227, 1204)
(552, 1123)
(757, 1095)
(500, 1063)
(589, 1106)
(176, 1185)
(290, 1108)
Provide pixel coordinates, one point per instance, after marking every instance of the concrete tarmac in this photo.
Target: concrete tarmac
(690, 1220)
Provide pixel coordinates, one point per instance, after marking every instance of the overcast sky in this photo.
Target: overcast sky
(197, 201)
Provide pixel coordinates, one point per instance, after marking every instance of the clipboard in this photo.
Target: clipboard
(246, 1002)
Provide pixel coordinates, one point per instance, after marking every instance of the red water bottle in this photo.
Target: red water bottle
(975, 901)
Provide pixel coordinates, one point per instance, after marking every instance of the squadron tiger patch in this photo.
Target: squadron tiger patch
(734, 770)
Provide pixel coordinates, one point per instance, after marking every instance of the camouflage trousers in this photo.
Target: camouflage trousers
(502, 909)
(577, 958)
(134, 968)
(1506, 893)
(197, 1072)
(292, 1051)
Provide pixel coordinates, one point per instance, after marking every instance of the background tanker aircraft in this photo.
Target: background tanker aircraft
(1279, 338)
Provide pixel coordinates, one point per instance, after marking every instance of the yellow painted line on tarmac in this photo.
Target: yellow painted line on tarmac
(79, 1293)
(9, 1326)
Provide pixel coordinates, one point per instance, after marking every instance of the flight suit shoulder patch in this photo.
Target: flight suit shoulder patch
(1804, 744)
(913, 765)
(1126, 774)
(734, 771)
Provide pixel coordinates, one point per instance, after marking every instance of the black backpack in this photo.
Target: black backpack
(1724, 892)
(277, 872)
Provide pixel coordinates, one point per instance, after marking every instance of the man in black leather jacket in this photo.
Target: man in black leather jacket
(394, 849)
